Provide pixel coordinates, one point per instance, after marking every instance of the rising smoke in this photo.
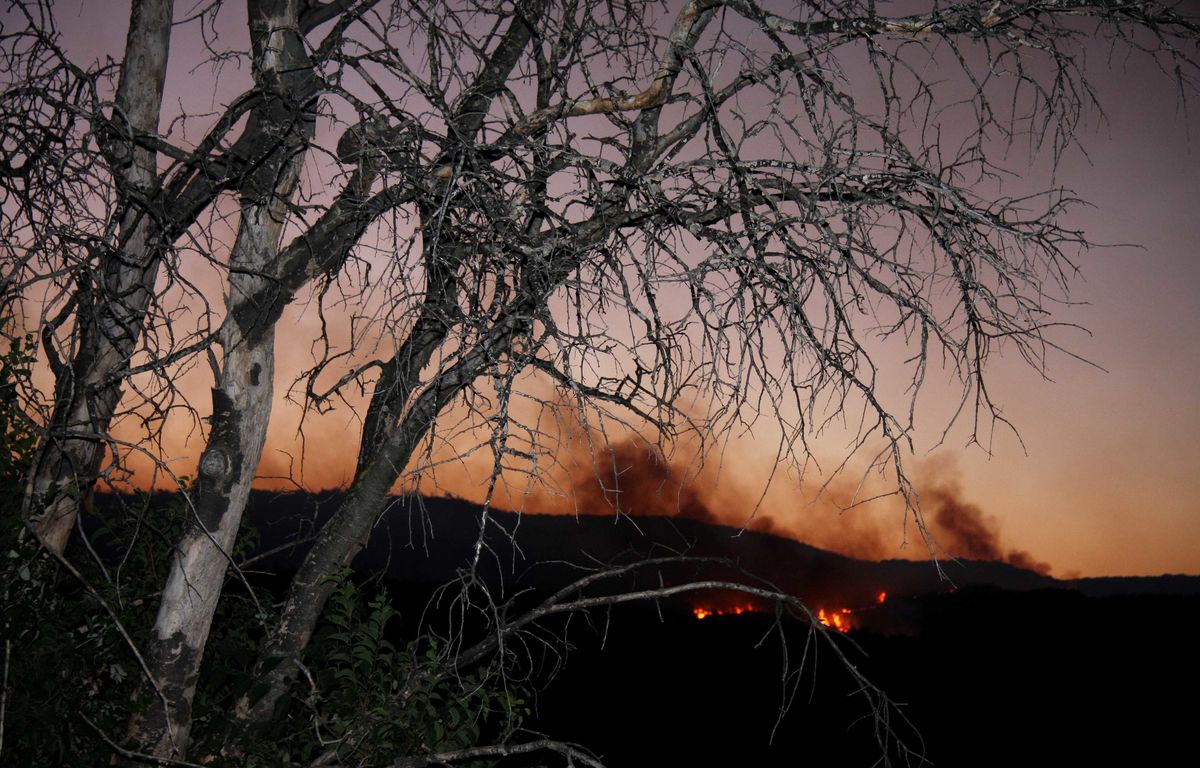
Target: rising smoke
(634, 477)
(963, 529)
(592, 475)
(592, 472)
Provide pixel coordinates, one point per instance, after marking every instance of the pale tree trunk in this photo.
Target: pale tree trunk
(346, 533)
(242, 398)
(241, 411)
(113, 312)
(387, 445)
(401, 410)
(389, 438)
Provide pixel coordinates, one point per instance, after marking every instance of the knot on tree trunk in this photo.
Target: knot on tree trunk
(214, 464)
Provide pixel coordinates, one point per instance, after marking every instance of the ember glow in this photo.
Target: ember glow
(839, 619)
(702, 612)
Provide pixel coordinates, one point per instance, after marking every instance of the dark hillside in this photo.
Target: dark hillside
(1006, 668)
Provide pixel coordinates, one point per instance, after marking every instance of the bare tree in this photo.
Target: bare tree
(122, 251)
(680, 215)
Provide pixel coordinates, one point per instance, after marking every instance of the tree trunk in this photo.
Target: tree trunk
(339, 541)
(241, 412)
(88, 390)
(400, 413)
(242, 399)
(390, 445)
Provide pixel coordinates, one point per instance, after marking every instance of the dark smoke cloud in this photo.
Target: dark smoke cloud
(963, 530)
(634, 478)
(833, 518)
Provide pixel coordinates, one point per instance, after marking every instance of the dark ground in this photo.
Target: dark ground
(989, 677)
(1010, 669)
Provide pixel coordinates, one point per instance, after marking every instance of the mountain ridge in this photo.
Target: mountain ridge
(540, 550)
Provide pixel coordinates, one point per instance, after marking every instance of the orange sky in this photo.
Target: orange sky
(1108, 480)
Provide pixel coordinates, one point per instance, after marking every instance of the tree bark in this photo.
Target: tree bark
(400, 413)
(242, 398)
(347, 532)
(88, 390)
(241, 413)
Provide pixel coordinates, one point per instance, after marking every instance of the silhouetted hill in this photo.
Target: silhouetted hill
(1113, 586)
(990, 677)
(1009, 668)
(427, 540)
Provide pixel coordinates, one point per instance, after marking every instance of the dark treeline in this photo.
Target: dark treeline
(1008, 668)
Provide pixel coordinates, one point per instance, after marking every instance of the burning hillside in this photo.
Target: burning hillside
(842, 619)
(437, 535)
(736, 610)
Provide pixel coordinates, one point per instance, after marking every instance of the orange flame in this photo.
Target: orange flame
(839, 620)
(737, 610)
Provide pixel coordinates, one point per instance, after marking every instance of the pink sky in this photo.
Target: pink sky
(1109, 479)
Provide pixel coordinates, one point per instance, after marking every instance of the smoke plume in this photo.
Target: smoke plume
(633, 477)
(592, 474)
(963, 530)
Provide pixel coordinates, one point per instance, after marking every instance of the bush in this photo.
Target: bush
(71, 675)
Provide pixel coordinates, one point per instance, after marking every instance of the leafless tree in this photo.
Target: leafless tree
(683, 215)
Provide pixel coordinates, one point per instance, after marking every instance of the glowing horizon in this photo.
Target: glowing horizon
(1103, 481)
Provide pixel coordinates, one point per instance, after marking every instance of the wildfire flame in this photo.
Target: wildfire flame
(839, 619)
(736, 610)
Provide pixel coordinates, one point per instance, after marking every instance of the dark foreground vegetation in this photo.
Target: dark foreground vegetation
(1009, 668)
(990, 678)
(510, 231)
